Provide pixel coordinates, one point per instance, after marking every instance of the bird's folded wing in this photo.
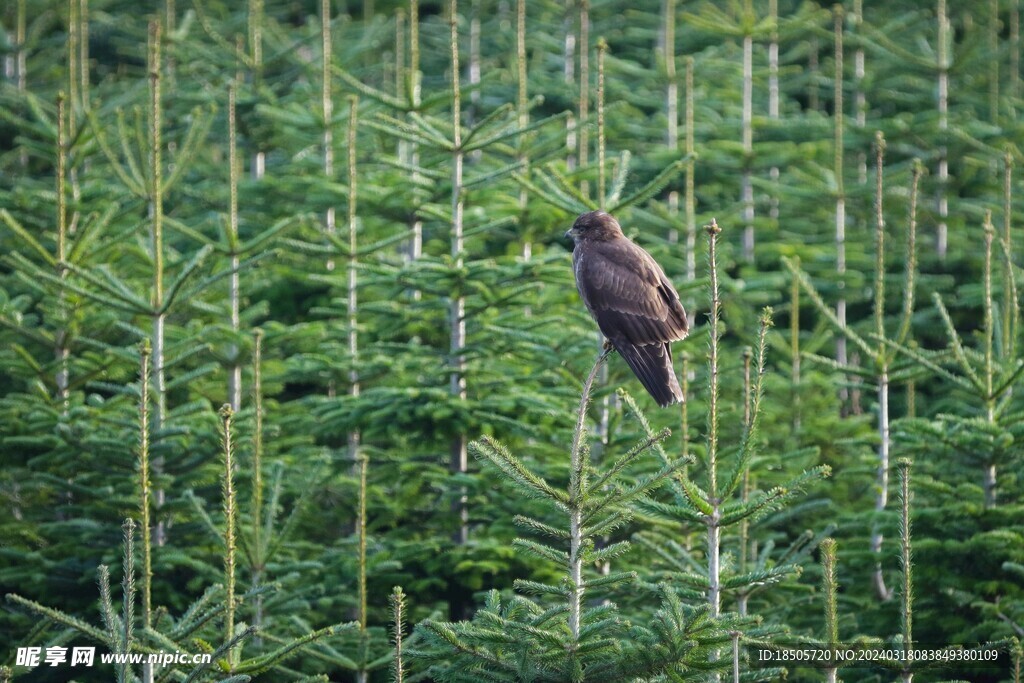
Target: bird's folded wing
(652, 365)
(628, 294)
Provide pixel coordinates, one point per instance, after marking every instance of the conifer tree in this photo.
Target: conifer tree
(881, 353)
(518, 639)
(164, 632)
(458, 271)
(724, 499)
(150, 178)
(989, 375)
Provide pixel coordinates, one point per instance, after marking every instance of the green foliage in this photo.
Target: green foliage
(386, 210)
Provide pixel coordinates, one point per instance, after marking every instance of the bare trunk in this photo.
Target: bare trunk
(362, 675)
(78, 74)
(989, 475)
(748, 148)
(841, 352)
(606, 401)
(327, 111)
(235, 374)
(83, 54)
(1015, 51)
(257, 169)
(474, 72)
(360, 462)
(159, 412)
(522, 105)
(569, 73)
(459, 461)
(235, 371)
(170, 21)
(156, 212)
(60, 351)
(713, 521)
(882, 481)
(416, 241)
(773, 103)
(353, 264)
(691, 211)
(990, 481)
(993, 62)
(944, 59)
(668, 40)
(714, 564)
(257, 479)
(860, 101)
(735, 656)
(671, 87)
(990, 486)
(794, 341)
(906, 607)
(584, 106)
(73, 40)
(15, 66)
(144, 503)
(229, 533)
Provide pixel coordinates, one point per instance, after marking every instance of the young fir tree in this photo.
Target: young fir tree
(522, 640)
(987, 375)
(899, 653)
(72, 483)
(951, 448)
(209, 619)
(94, 309)
(726, 499)
(445, 282)
(881, 352)
(560, 635)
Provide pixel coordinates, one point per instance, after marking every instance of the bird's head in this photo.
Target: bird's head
(594, 225)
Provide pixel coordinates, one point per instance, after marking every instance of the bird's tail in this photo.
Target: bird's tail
(652, 364)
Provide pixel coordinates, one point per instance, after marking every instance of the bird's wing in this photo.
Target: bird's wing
(652, 365)
(628, 293)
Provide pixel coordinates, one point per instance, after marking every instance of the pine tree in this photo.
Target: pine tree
(203, 164)
(882, 352)
(519, 639)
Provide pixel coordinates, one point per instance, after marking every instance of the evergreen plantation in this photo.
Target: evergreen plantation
(293, 371)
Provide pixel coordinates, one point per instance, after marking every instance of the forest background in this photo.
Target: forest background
(291, 355)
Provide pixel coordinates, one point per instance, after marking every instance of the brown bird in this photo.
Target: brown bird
(634, 304)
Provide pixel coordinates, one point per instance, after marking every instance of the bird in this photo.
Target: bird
(632, 301)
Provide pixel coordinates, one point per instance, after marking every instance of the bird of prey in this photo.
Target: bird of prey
(632, 301)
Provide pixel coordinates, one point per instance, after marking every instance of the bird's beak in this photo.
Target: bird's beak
(568, 234)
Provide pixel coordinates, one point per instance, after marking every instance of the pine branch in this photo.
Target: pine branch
(750, 426)
(826, 310)
(509, 134)
(630, 456)
(27, 237)
(258, 665)
(532, 484)
(916, 355)
(656, 185)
